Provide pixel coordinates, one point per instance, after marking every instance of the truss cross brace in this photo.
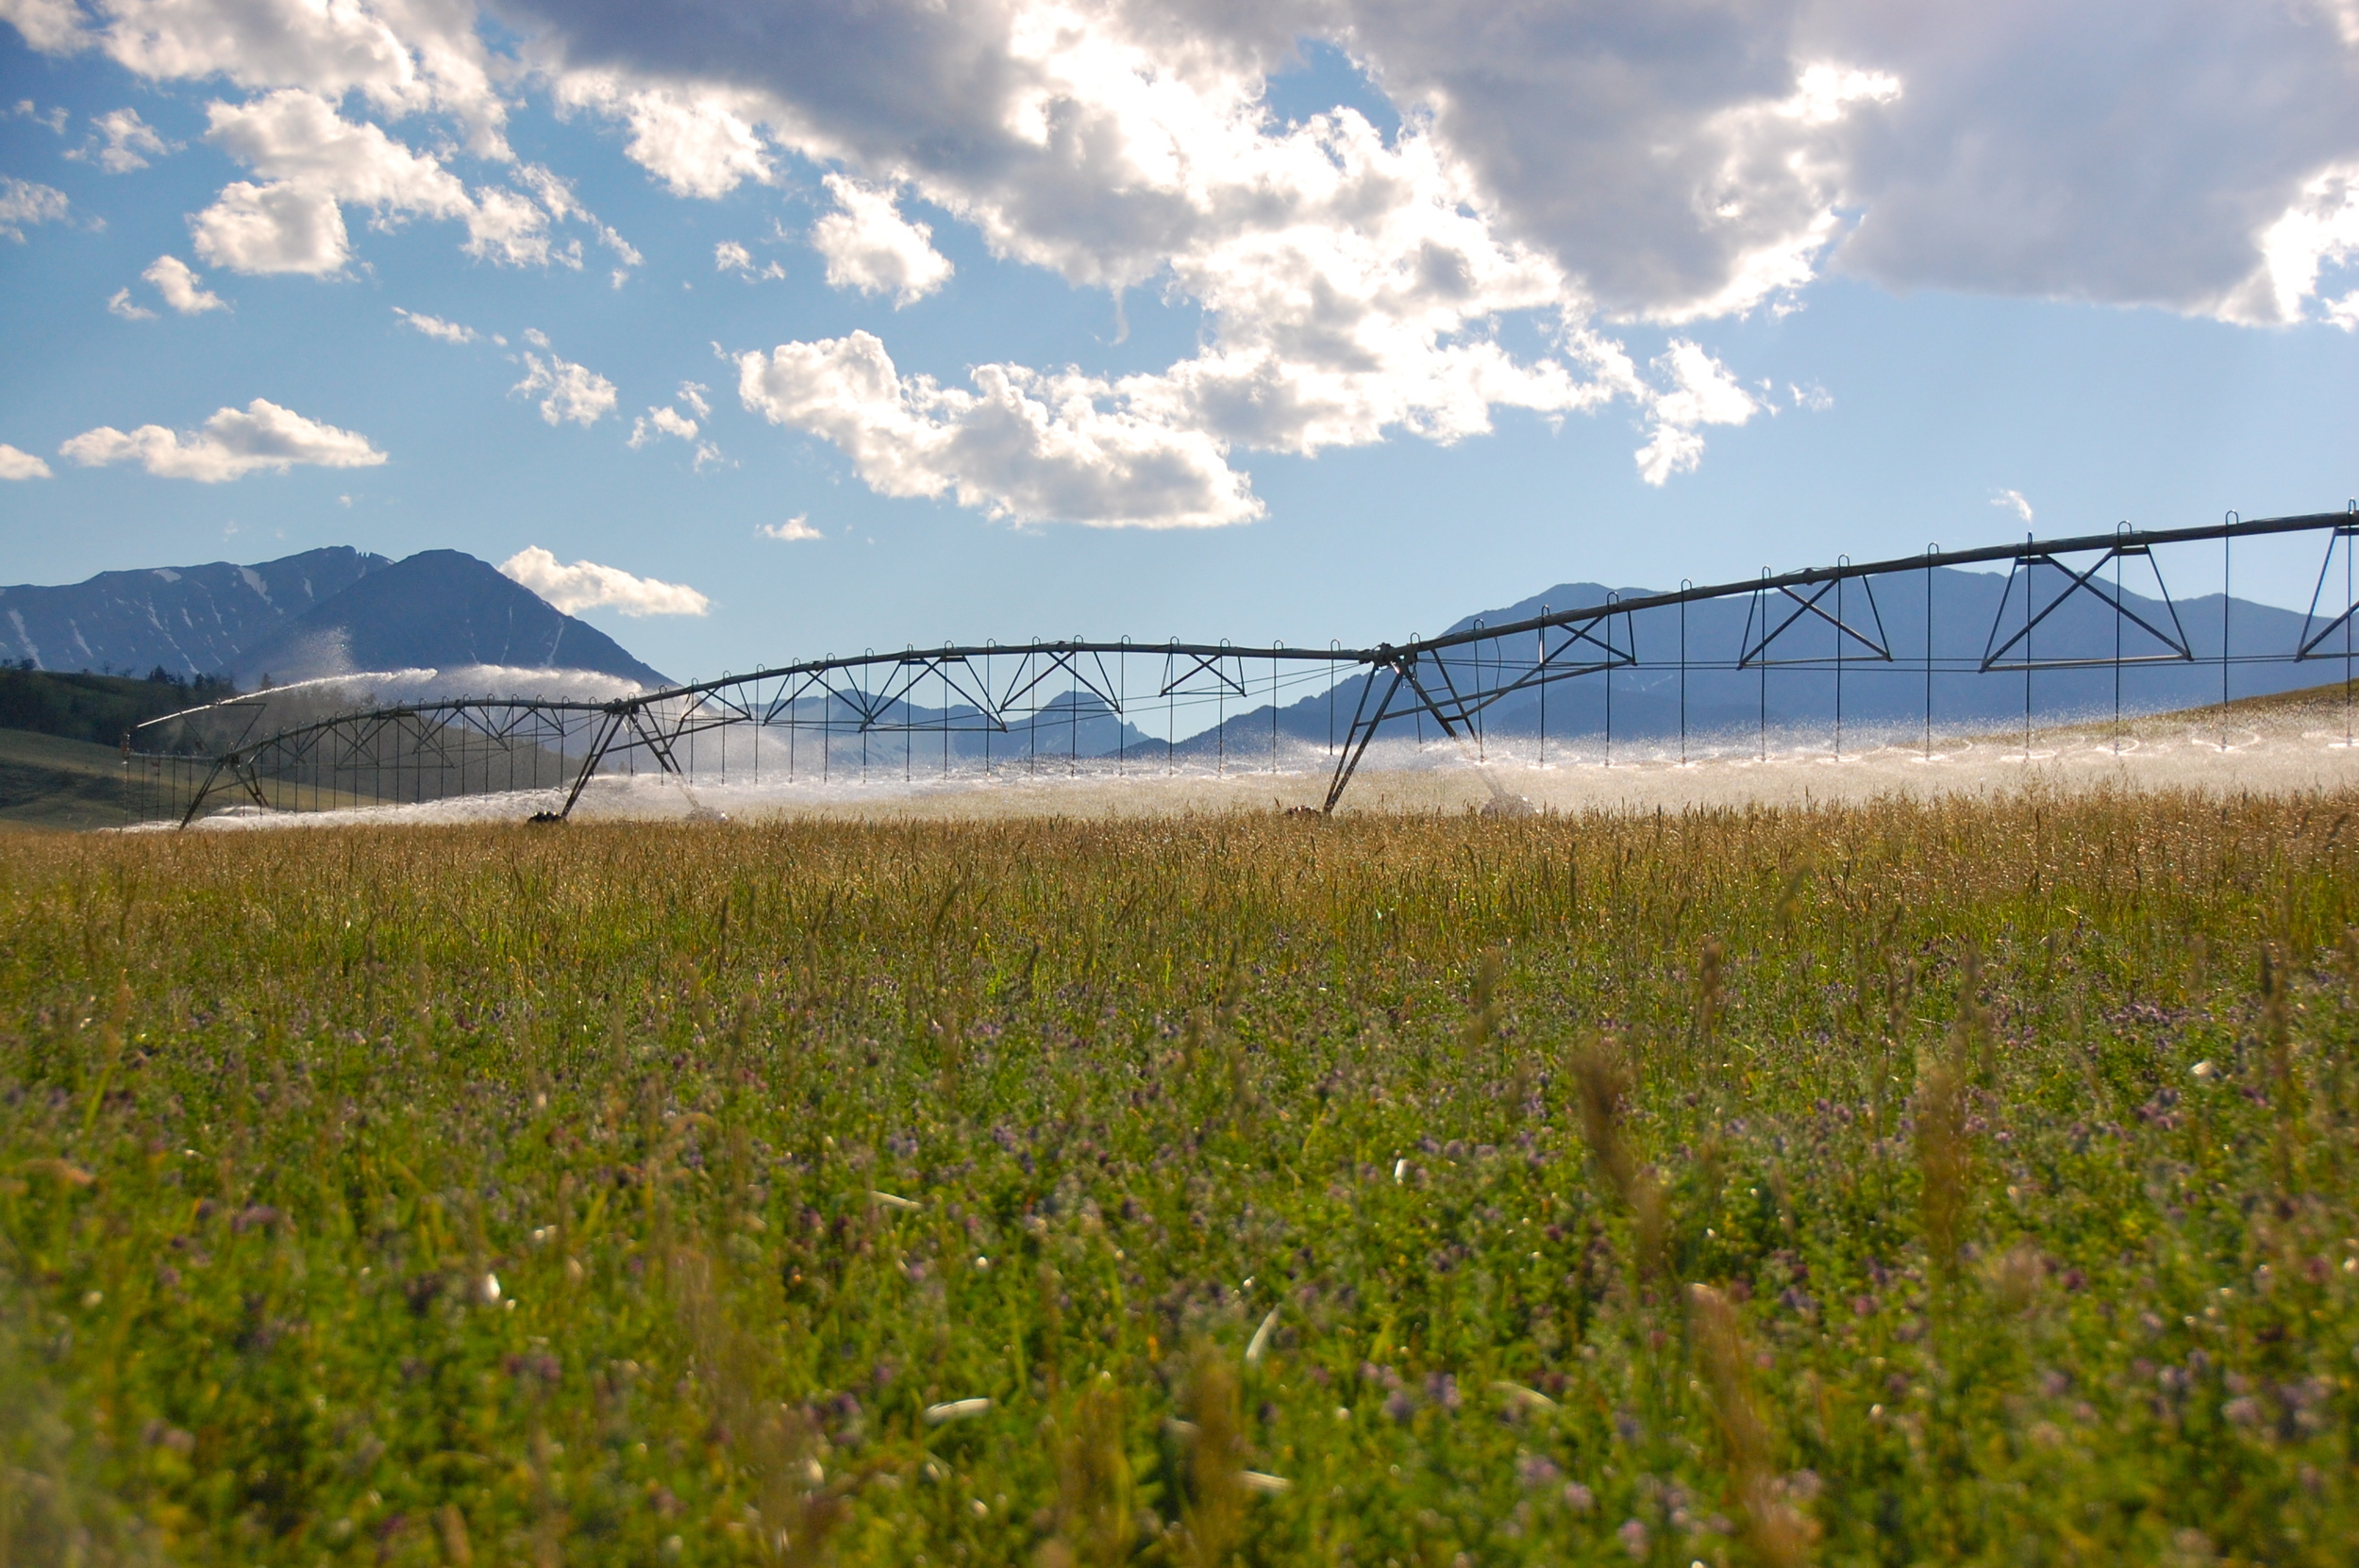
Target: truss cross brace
(1995, 652)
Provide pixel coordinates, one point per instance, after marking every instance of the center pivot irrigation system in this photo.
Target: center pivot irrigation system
(992, 707)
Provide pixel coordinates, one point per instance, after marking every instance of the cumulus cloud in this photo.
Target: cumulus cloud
(1357, 294)
(2012, 500)
(125, 137)
(1353, 283)
(122, 304)
(732, 256)
(586, 585)
(1698, 160)
(26, 109)
(435, 326)
(182, 289)
(795, 528)
(25, 202)
(1701, 391)
(657, 423)
(20, 465)
(1022, 445)
(700, 141)
(2110, 150)
(274, 228)
(314, 162)
(52, 27)
(1555, 171)
(558, 196)
(234, 442)
(661, 422)
(575, 392)
(400, 55)
(868, 245)
(2320, 230)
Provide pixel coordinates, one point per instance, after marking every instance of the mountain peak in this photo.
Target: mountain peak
(189, 621)
(441, 608)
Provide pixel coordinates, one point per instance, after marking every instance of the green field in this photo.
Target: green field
(1910, 1183)
(49, 781)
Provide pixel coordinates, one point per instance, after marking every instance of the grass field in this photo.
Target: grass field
(1906, 1182)
(48, 781)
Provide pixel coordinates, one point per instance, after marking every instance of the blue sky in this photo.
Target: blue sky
(1753, 306)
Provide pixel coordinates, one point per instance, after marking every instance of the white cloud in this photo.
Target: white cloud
(586, 585)
(26, 109)
(272, 229)
(2320, 229)
(127, 136)
(1564, 168)
(231, 444)
(730, 256)
(181, 288)
(558, 196)
(435, 326)
(794, 528)
(20, 465)
(1700, 160)
(656, 422)
(1352, 285)
(1701, 393)
(23, 202)
(49, 25)
(1824, 93)
(2012, 500)
(1023, 446)
(575, 392)
(315, 161)
(122, 304)
(403, 56)
(700, 143)
(507, 227)
(870, 246)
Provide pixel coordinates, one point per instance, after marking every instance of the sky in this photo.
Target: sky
(758, 332)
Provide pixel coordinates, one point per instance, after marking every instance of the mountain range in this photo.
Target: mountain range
(323, 612)
(1967, 613)
(338, 610)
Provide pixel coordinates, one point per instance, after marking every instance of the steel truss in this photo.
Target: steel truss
(425, 750)
(1781, 602)
(430, 750)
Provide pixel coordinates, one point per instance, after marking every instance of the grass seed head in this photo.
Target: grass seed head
(1214, 1521)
